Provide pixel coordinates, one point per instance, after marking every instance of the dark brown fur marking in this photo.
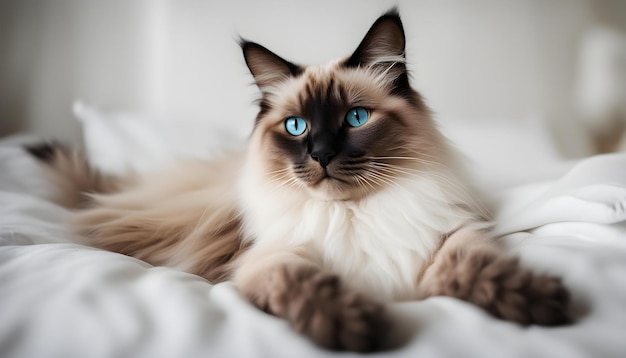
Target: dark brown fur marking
(317, 306)
(44, 151)
(497, 283)
(71, 172)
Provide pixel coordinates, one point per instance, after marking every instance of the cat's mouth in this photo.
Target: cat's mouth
(326, 176)
(340, 180)
(326, 184)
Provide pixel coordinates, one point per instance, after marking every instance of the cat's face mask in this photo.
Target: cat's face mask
(346, 129)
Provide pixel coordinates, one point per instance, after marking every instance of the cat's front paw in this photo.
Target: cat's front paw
(316, 305)
(497, 283)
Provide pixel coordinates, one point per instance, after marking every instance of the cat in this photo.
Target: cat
(347, 197)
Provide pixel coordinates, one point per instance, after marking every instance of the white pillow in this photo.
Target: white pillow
(123, 142)
(503, 153)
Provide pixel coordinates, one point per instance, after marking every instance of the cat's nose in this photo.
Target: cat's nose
(323, 156)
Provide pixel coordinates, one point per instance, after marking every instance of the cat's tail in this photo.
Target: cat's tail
(71, 174)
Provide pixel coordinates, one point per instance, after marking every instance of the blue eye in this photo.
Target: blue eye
(295, 126)
(357, 117)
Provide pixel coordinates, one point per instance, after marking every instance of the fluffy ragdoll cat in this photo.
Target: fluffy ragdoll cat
(347, 197)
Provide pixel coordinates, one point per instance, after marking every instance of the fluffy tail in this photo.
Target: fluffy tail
(71, 173)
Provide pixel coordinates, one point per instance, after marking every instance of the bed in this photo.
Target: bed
(62, 299)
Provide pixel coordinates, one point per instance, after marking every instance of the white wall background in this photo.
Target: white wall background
(480, 60)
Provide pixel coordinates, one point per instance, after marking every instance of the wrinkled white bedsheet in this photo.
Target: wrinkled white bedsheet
(61, 299)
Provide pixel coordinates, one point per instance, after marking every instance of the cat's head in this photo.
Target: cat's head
(346, 129)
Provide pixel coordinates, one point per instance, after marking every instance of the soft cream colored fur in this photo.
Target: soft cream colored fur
(187, 219)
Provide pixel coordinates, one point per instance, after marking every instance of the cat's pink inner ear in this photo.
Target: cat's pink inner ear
(267, 67)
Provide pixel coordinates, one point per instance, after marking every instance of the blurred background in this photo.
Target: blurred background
(555, 66)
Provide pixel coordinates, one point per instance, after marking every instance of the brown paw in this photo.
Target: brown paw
(316, 305)
(497, 283)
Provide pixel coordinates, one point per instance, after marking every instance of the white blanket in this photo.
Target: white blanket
(61, 299)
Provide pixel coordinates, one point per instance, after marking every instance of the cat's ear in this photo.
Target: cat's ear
(382, 46)
(266, 67)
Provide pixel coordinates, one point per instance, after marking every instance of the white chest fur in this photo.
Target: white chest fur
(377, 245)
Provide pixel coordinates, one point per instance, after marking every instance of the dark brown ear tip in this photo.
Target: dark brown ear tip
(392, 13)
(251, 48)
(392, 16)
(246, 44)
(389, 27)
(44, 151)
(242, 42)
